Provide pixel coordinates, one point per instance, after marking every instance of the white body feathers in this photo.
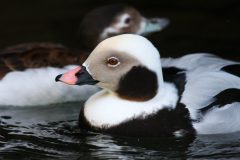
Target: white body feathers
(38, 87)
(204, 80)
(107, 109)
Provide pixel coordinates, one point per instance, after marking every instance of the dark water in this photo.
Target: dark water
(51, 132)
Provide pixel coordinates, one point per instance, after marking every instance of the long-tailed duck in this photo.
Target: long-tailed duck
(136, 101)
(26, 69)
(112, 20)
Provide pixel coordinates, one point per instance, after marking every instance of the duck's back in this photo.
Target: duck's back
(38, 55)
(213, 98)
(27, 73)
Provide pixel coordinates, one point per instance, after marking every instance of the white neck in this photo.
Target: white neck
(107, 109)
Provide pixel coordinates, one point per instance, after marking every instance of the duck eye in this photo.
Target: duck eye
(113, 62)
(127, 20)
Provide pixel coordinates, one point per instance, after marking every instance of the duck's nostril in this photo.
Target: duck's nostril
(154, 21)
(78, 73)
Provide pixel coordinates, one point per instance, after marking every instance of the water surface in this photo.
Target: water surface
(51, 132)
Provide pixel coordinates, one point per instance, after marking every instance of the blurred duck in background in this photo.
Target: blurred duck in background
(112, 20)
(27, 71)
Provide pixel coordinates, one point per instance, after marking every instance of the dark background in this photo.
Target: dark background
(196, 25)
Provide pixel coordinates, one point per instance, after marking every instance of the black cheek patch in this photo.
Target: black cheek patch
(139, 84)
(232, 69)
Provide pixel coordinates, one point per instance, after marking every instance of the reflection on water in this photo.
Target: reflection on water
(51, 132)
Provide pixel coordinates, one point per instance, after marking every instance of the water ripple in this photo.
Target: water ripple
(51, 132)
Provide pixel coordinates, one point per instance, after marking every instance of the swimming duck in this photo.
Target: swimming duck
(112, 20)
(27, 68)
(137, 101)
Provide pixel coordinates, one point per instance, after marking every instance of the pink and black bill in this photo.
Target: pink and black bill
(76, 76)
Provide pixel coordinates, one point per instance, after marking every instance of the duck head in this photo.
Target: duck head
(112, 20)
(127, 65)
